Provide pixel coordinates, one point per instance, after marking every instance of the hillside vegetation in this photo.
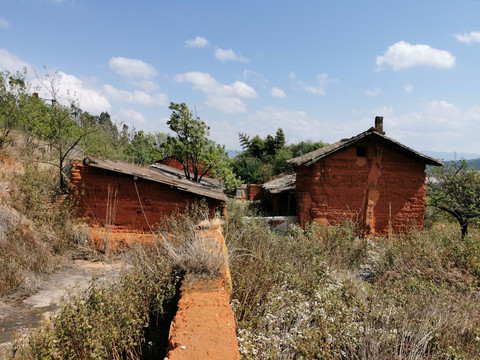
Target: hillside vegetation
(323, 293)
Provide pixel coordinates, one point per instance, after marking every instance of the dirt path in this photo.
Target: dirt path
(22, 313)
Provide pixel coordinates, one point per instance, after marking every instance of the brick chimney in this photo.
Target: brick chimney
(379, 125)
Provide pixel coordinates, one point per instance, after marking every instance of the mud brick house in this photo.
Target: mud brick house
(280, 195)
(369, 178)
(136, 198)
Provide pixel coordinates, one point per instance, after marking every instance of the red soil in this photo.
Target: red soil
(204, 326)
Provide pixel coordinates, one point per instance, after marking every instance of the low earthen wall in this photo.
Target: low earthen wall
(204, 325)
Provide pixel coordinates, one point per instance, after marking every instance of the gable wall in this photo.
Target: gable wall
(382, 188)
(94, 192)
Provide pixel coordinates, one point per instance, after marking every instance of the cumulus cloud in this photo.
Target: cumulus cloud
(70, 88)
(373, 92)
(403, 55)
(4, 24)
(226, 98)
(135, 97)
(132, 68)
(276, 92)
(298, 125)
(198, 42)
(408, 88)
(130, 116)
(319, 88)
(147, 85)
(12, 63)
(469, 38)
(228, 55)
(438, 126)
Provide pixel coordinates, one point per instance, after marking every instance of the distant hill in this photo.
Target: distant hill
(474, 163)
(448, 156)
(233, 153)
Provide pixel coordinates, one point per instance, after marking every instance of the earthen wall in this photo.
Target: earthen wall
(255, 192)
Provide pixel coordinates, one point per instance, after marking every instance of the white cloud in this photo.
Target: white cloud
(276, 92)
(228, 55)
(271, 117)
(469, 38)
(297, 125)
(437, 126)
(12, 63)
(70, 88)
(147, 85)
(314, 89)
(408, 88)
(219, 96)
(135, 97)
(373, 92)
(322, 81)
(198, 42)
(130, 116)
(371, 113)
(403, 55)
(132, 68)
(4, 24)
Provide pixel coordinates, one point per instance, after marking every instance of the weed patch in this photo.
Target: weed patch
(302, 296)
(127, 319)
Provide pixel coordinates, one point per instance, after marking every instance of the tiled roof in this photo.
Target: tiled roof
(155, 175)
(314, 156)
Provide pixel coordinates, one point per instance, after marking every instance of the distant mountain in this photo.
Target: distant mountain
(448, 156)
(474, 163)
(233, 153)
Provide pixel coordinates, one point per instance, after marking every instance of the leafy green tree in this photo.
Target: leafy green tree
(146, 148)
(263, 159)
(56, 124)
(13, 94)
(191, 147)
(304, 147)
(455, 189)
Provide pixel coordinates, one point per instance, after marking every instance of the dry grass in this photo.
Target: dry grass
(126, 318)
(36, 232)
(306, 295)
(184, 247)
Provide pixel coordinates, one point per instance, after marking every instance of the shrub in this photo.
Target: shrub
(127, 319)
(304, 295)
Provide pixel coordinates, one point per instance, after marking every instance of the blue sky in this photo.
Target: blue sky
(320, 70)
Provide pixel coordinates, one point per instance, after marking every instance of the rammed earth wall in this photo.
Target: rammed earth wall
(109, 198)
(383, 190)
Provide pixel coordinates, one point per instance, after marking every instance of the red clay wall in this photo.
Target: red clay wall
(90, 188)
(384, 191)
(255, 192)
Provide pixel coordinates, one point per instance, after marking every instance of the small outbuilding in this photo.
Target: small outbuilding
(110, 193)
(369, 178)
(280, 195)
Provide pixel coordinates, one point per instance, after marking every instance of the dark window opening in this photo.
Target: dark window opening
(361, 151)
